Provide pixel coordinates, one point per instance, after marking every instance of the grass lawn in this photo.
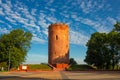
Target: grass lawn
(80, 67)
(39, 67)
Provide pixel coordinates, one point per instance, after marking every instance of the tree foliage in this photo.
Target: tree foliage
(14, 46)
(117, 27)
(104, 49)
(72, 61)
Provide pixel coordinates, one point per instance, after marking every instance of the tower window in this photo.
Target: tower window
(56, 37)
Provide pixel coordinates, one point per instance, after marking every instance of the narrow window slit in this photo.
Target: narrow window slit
(56, 37)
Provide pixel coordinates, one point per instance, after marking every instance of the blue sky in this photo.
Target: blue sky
(84, 17)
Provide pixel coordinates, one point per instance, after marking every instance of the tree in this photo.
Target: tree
(72, 61)
(14, 47)
(104, 49)
(113, 47)
(96, 50)
(115, 44)
(117, 27)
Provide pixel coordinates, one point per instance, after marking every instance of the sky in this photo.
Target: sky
(84, 17)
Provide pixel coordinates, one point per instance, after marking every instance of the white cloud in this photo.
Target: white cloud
(7, 7)
(9, 26)
(4, 30)
(25, 18)
(43, 18)
(78, 38)
(1, 12)
(42, 21)
(74, 16)
(27, 13)
(11, 20)
(111, 20)
(38, 40)
(29, 18)
(0, 1)
(65, 15)
(49, 3)
(33, 12)
(52, 10)
(45, 32)
(15, 16)
(88, 6)
(100, 25)
(1, 21)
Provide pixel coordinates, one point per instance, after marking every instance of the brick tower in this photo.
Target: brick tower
(58, 53)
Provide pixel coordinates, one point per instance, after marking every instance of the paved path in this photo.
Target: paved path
(58, 75)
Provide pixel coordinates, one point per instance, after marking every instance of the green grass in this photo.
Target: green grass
(3, 71)
(39, 67)
(80, 67)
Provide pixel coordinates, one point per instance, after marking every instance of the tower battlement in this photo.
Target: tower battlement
(61, 26)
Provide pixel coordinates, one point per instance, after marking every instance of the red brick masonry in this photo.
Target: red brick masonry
(61, 66)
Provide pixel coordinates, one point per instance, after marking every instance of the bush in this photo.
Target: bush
(3, 66)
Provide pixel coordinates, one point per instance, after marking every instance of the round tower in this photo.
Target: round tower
(58, 44)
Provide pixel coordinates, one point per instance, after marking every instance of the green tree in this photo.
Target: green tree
(117, 27)
(104, 49)
(72, 61)
(96, 50)
(112, 47)
(114, 43)
(14, 47)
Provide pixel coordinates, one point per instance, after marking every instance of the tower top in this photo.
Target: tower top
(58, 26)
